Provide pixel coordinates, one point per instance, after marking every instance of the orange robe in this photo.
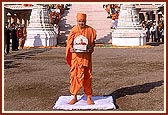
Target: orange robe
(56, 19)
(80, 63)
(108, 8)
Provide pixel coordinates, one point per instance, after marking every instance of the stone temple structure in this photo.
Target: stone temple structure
(39, 31)
(128, 31)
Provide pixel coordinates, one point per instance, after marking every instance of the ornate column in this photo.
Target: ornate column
(156, 15)
(39, 32)
(9, 18)
(128, 32)
(15, 17)
(18, 21)
(23, 21)
(12, 19)
(146, 16)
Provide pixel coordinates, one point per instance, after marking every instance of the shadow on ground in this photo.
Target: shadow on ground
(9, 61)
(144, 88)
(154, 43)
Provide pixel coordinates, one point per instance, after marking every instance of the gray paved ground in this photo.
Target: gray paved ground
(34, 78)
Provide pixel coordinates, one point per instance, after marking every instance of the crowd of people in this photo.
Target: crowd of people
(113, 13)
(55, 14)
(154, 30)
(15, 32)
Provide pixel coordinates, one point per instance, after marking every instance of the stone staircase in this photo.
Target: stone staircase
(96, 17)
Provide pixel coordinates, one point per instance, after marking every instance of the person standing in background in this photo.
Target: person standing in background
(7, 32)
(14, 37)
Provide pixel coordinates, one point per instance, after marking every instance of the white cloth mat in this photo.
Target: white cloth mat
(101, 103)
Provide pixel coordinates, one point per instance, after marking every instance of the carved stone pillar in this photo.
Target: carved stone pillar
(156, 15)
(146, 16)
(23, 21)
(18, 21)
(14, 17)
(9, 18)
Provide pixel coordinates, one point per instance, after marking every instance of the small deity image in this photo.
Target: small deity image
(80, 44)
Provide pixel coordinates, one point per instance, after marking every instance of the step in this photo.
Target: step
(96, 17)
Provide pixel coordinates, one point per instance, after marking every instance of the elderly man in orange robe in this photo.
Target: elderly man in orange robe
(80, 62)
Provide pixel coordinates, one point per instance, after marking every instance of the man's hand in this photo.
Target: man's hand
(91, 48)
(72, 50)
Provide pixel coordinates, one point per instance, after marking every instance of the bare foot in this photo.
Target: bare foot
(73, 101)
(90, 102)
